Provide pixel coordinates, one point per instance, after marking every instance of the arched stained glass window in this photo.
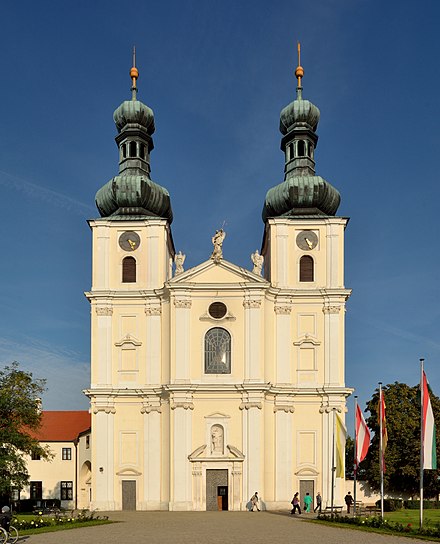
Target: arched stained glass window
(217, 351)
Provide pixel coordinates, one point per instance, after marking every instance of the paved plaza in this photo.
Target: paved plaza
(211, 528)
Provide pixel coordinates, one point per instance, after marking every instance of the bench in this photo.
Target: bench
(336, 509)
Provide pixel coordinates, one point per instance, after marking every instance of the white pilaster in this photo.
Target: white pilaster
(152, 259)
(153, 344)
(283, 343)
(252, 412)
(182, 339)
(282, 257)
(181, 493)
(103, 445)
(152, 457)
(284, 454)
(101, 258)
(252, 319)
(103, 353)
(333, 356)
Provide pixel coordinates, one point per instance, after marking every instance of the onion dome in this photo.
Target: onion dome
(302, 192)
(132, 194)
(299, 111)
(134, 111)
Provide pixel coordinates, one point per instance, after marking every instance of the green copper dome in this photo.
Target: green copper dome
(299, 111)
(132, 194)
(133, 111)
(302, 193)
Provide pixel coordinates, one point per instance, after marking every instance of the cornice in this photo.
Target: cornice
(266, 390)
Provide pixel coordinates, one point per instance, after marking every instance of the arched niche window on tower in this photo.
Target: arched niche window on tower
(142, 151)
(133, 150)
(129, 270)
(124, 151)
(301, 148)
(306, 268)
(217, 351)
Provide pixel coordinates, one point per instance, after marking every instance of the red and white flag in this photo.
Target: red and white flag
(362, 436)
(428, 429)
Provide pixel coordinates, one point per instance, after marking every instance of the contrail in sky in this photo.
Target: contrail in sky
(54, 198)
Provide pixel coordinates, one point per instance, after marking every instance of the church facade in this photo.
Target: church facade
(212, 383)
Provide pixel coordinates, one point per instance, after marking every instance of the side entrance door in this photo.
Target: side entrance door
(307, 486)
(128, 495)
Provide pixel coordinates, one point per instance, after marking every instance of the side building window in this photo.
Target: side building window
(129, 270)
(35, 456)
(36, 490)
(217, 351)
(67, 454)
(66, 491)
(306, 268)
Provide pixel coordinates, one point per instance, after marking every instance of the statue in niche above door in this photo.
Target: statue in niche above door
(217, 439)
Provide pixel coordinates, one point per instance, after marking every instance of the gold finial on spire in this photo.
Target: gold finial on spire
(134, 74)
(299, 72)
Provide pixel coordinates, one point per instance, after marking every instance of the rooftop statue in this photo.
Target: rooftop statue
(179, 259)
(217, 240)
(258, 261)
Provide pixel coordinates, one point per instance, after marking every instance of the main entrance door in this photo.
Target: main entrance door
(128, 495)
(217, 489)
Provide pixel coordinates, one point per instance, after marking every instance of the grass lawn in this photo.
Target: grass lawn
(412, 516)
(407, 518)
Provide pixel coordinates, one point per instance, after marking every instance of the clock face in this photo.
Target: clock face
(307, 240)
(129, 240)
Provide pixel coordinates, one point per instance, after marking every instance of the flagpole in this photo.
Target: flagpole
(333, 464)
(422, 441)
(355, 455)
(381, 447)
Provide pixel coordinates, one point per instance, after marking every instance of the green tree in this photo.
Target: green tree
(402, 455)
(20, 417)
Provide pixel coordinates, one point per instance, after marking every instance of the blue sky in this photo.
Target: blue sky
(217, 75)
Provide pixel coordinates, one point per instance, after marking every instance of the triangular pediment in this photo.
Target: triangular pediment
(223, 273)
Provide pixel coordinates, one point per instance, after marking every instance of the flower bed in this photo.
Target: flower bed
(41, 520)
(376, 522)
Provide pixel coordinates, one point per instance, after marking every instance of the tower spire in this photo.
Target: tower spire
(134, 74)
(299, 73)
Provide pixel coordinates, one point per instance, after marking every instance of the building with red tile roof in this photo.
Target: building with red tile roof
(66, 476)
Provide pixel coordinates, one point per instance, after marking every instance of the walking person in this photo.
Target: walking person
(295, 503)
(307, 503)
(254, 501)
(348, 501)
(318, 502)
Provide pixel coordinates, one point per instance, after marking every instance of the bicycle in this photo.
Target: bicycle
(8, 537)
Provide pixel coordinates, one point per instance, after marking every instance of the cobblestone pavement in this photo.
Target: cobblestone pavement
(211, 528)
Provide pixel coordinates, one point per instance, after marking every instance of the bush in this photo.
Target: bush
(391, 505)
(415, 504)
